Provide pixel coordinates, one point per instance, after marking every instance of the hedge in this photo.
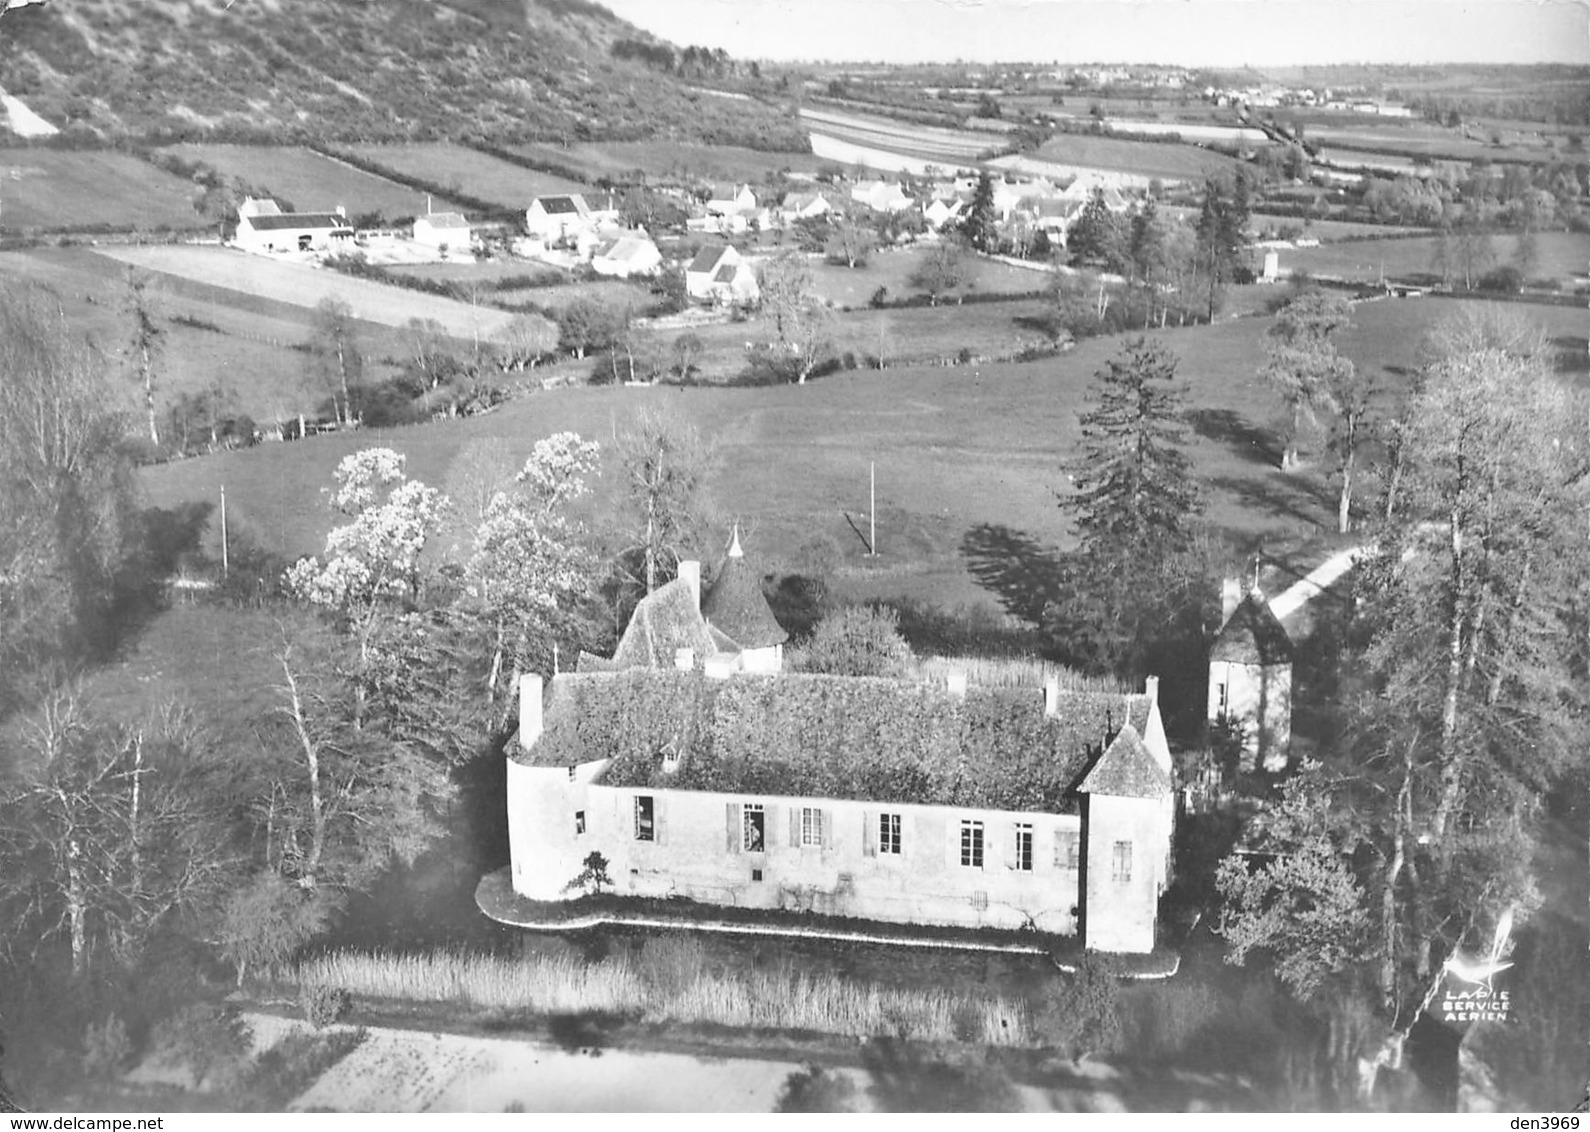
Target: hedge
(861, 738)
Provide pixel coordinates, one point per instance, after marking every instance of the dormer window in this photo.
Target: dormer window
(670, 757)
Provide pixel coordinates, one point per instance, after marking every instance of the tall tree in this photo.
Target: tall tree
(802, 323)
(1222, 216)
(1134, 507)
(334, 356)
(849, 243)
(1303, 366)
(145, 343)
(665, 465)
(979, 227)
(110, 832)
(941, 271)
(66, 501)
(1096, 236)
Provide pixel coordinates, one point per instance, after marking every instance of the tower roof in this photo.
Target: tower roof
(735, 607)
(1127, 769)
(1253, 635)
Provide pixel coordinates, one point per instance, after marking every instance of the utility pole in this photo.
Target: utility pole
(224, 563)
(872, 511)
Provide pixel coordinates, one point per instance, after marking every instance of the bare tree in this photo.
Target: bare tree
(146, 335)
(665, 463)
(334, 356)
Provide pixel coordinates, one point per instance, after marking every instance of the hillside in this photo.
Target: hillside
(359, 70)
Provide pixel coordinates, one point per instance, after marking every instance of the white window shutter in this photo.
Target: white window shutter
(825, 830)
(659, 820)
(732, 834)
(795, 827)
(869, 834)
(1012, 860)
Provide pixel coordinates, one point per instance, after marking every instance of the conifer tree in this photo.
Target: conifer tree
(979, 225)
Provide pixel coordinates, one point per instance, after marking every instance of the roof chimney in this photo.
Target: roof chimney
(1230, 597)
(1151, 688)
(690, 571)
(529, 710)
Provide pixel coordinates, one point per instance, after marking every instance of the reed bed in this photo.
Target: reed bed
(1012, 672)
(671, 980)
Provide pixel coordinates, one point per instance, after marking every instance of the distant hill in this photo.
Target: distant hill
(371, 70)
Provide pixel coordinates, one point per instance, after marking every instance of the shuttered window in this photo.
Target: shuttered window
(1121, 862)
(972, 844)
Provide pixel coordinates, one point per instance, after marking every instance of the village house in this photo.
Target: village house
(696, 767)
(718, 274)
(626, 255)
(561, 217)
(943, 210)
(263, 228)
(443, 232)
(881, 196)
(1250, 677)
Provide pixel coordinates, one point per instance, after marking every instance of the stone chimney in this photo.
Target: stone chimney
(690, 571)
(957, 683)
(1230, 597)
(684, 659)
(1051, 696)
(1151, 687)
(529, 710)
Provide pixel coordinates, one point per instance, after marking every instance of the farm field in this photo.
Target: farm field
(1147, 158)
(479, 270)
(968, 457)
(50, 188)
(305, 286)
(850, 154)
(1367, 159)
(1425, 139)
(618, 294)
(1195, 131)
(928, 143)
(1563, 256)
(308, 181)
(671, 159)
(468, 171)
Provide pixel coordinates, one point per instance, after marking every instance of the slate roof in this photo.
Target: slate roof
(726, 273)
(707, 257)
(625, 248)
(736, 607)
(1253, 635)
(444, 220)
(664, 622)
(556, 205)
(1127, 769)
(846, 737)
(268, 222)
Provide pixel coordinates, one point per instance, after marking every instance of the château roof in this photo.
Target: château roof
(1127, 769)
(1253, 635)
(664, 622)
(846, 737)
(736, 607)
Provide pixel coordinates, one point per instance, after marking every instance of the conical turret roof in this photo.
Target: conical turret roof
(735, 607)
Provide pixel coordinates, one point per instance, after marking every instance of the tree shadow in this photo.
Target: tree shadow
(912, 1078)
(1023, 573)
(1228, 427)
(1295, 497)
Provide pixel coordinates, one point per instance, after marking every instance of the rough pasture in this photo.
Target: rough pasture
(468, 171)
(310, 181)
(49, 188)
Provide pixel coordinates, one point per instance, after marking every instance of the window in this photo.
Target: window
(1121, 862)
(1067, 847)
(889, 833)
(579, 822)
(811, 826)
(645, 826)
(972, 844)
(670, 757)
(1024, 846)
(755, 828)
(756, 874)
(1222, 698)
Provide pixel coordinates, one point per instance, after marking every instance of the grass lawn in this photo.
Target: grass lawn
(1150, 159)
(468, 171)
(671, 159)
(968, 457)
(51, 188)
(473, 270)
(892, 268)
(309, 181)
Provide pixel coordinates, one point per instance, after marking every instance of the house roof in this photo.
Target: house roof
(1127, 769)
(735, 605)
(726, 273)
(625, 248)
(268, 222)
(1253, 635)
(665, 621)
(707, 258)
(561, 204)
(443, 220)
(859, 738)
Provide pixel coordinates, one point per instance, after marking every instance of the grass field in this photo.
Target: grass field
(1146, 158)
(305, 286)
(48, 188)
(892, 268)
(968, 458)
(468, 171)
(1564, 256)
(930, 143)
(310, 181)
(671, 159)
